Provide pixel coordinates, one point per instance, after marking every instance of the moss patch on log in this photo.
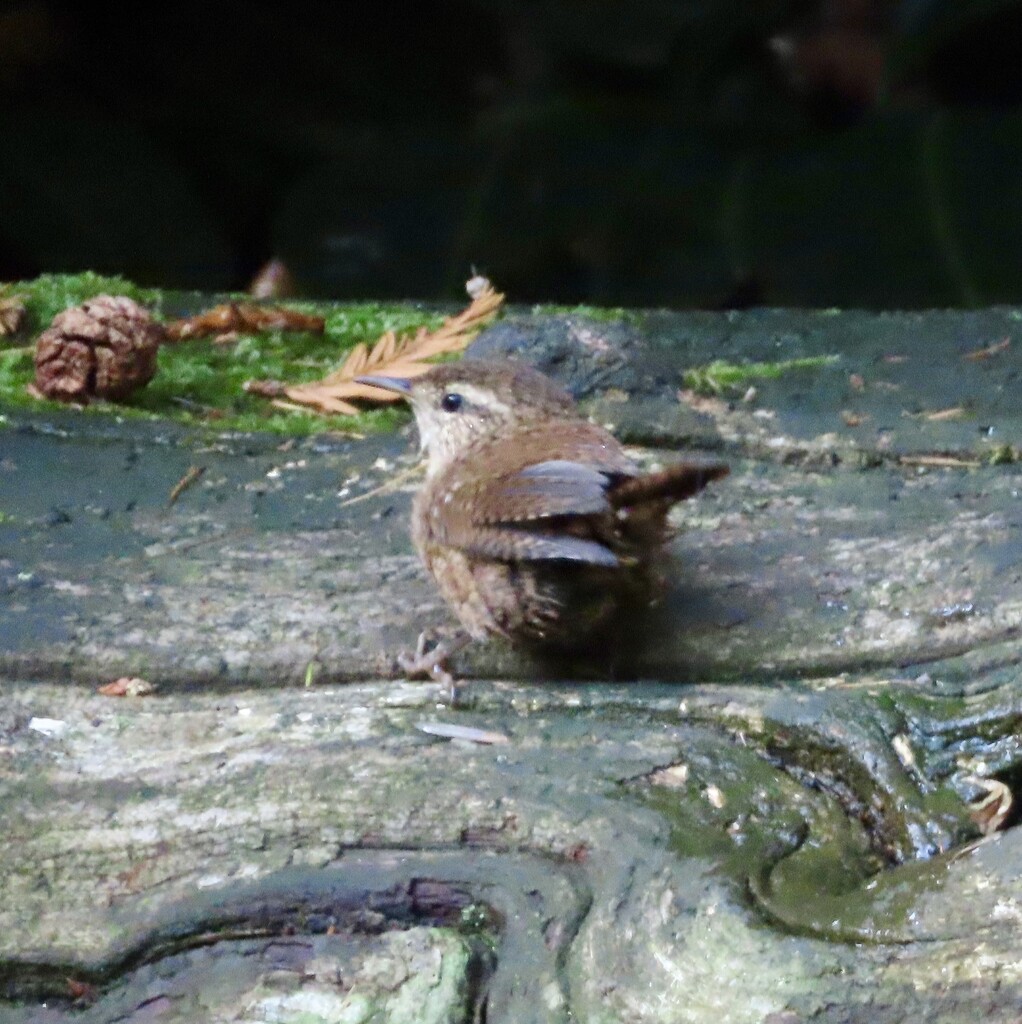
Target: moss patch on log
(199, 382)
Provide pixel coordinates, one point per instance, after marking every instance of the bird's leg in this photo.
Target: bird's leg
(430, 656)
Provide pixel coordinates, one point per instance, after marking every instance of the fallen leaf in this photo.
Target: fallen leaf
(242, 316)
(127, 686)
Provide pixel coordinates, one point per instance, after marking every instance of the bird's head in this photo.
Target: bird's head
(459, 405)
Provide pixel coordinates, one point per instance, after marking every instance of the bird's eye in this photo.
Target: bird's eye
(451, 402)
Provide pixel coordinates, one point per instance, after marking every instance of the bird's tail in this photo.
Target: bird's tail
(675, 483)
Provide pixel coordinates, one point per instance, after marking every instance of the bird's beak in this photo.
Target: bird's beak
(401, 385)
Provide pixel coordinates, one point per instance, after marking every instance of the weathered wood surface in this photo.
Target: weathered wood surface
(764, 816)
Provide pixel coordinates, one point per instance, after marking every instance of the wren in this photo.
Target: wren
(535, 523)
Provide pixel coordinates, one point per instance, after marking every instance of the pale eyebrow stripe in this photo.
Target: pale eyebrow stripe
(480, 396)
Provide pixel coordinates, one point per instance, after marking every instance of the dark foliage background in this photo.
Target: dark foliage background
(712, 153)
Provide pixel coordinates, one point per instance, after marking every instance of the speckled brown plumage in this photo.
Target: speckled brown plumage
(535, 524)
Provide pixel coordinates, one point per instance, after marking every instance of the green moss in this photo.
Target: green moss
(199, 382)
(475, 919)
(718, 376)
(1003, 455)
(609, 314)
(48, 294)
(16, 369)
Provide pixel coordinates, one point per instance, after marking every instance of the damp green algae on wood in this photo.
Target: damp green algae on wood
(595, 314)
(200, 383)
(717, 377)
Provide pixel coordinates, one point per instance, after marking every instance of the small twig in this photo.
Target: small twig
(990, 350)
(956, 412)
(939, 461)
(387, 487)
(193, 474)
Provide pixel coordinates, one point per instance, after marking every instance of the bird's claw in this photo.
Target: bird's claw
(425, 665)
(430, 662)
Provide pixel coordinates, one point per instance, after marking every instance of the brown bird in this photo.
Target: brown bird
(535, 523)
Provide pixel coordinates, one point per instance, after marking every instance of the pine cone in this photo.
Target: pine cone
(105, 348)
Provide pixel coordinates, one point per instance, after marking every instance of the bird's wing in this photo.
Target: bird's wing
(522, 544)
(507, 506)
(555, 487)
(511, 516)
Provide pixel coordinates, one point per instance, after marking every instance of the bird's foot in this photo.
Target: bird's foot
(429, 659)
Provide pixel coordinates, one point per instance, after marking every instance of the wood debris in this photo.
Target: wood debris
(391, 355)
(82, 992)
(391, 485)
(903, 748)
(674, 776)
(127, 686)
(12, 316)
(939, 461)
(955, 412)
(991, 810)
(207, 412)
(989, 350)
(715, 796)
(193, 474)
(233, 317)
(452, 731)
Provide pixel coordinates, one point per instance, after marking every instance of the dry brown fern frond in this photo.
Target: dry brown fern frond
(391, 355)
